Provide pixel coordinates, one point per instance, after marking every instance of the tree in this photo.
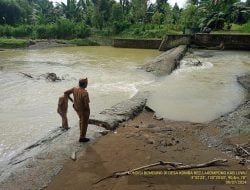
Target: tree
(157, 18)
(176, 13)
(139, 9)
(160, 5)
(73, 10)
(10, 12)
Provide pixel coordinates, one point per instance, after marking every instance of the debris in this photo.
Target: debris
(242, 150)
(27, 75)
(73, 156)
(151, 126)
(157, 117)
(105, 132)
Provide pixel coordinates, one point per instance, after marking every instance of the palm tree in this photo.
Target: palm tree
(73, 10)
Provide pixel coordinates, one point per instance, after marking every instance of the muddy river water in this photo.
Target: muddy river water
(192, 93)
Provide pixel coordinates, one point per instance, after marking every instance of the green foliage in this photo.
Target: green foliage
(46, 31)
(13, 43)
(118, 27)
(245, 28)
(136, 18)
(83, 42)
(157, 18)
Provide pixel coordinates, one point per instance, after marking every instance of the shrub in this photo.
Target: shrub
(65, 29)
(245, 28)
(81, 30)
(118, 27)
(46, 31)
(13, 43)
(83, 42)
(22, 31)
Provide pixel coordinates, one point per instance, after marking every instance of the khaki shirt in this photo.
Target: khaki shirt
(81, 98)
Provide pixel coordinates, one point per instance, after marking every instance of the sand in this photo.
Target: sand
(143, 140)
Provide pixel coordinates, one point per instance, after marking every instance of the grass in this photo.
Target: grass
(83, 42)
(13, 43)
(235, 29)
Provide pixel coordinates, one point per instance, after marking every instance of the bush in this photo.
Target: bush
(83, 42)
(22, 31)
(118, 27)
(13, 43)
(46, 31)
(245, 28)
(65, 29)
(6, 30)
(81, 30)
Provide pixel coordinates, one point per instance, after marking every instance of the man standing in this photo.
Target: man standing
(81, 106)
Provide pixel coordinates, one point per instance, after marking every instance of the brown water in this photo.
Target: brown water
(28, 107)
(202, 93)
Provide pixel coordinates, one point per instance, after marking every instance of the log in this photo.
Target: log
(175, 166)
(27, 75)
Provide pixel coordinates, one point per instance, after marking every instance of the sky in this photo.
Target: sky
(172, 2)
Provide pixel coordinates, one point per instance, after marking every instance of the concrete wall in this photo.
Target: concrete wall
(229, 41)
(134, 43)
(171, 41)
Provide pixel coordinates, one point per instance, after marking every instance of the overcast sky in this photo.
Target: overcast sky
(172, 2)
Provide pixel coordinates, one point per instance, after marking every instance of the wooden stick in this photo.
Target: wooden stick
(216, 162)
(27, 75)
(238, 146)
(175, 165)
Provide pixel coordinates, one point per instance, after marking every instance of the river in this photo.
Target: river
(191, 93)
(202, 93)
(28, 106)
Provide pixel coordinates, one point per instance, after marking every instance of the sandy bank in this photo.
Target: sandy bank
(138, 142)
(145, 140)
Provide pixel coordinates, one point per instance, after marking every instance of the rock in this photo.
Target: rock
(150, 141)
(244, 81)
(170, 144)
(163, 143)
(137, 135)
(163, 149)
(147, 108)
(52, 77)
(73, 156)
(129, 135)
(136, 126)
(247, 116)
(103, 133)
(157, 117)
(151, 126)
